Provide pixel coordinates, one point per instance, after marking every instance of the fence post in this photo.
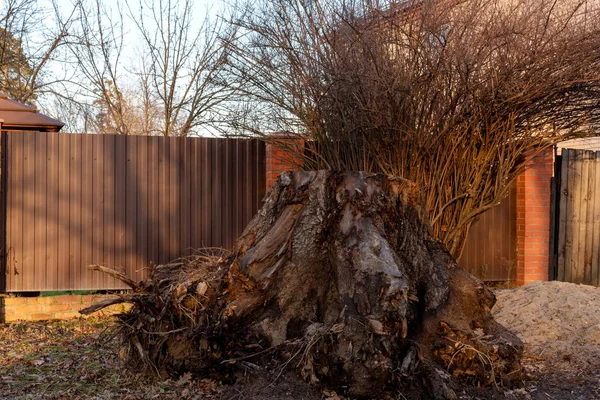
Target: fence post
(533, 219)
(283, 151)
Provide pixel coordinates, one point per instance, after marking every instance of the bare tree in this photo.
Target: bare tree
(185, 58)
(454, 95)
(173, 90)
(27, 50)
(98, 53)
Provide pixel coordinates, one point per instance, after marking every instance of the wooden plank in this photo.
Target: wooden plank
(595, 279)
(588, 227)
(563, 198)
(75, 226)
(28, 228)
(576, 216)
(121, 173)
(133, 182)
(87, 210)
(98, 198)
(109, 207)
(40, 218)
(53, 199)
(582, 216)
(553, 253)
(570, 231)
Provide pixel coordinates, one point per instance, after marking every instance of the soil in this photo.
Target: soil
(558, 322)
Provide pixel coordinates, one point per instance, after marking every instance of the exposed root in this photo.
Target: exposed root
(337, 277)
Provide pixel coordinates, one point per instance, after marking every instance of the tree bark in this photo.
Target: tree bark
(339, 275)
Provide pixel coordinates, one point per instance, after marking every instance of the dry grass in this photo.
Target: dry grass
(79, 359)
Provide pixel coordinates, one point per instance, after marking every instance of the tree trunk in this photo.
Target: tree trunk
(339, 275)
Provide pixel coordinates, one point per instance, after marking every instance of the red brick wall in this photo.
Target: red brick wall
(51, 307)
(283, 154)
(533, 219)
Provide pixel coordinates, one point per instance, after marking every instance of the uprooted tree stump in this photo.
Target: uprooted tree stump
(338, 276)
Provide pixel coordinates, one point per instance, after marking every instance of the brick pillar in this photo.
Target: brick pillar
(533, 219)
(283, 154)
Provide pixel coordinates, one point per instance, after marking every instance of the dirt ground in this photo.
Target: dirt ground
(79, 359)
(559, 324)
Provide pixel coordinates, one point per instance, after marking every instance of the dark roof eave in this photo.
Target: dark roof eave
(38, 127)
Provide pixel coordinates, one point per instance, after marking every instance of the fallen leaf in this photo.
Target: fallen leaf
(185, 378)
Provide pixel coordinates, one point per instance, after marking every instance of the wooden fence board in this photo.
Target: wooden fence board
(562, 216)
(588, 226)
(579, 217)
(124, 202)
(570, 234)
(596, 224)
(583, 170)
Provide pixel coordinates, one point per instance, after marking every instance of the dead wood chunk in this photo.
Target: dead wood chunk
(338, 275)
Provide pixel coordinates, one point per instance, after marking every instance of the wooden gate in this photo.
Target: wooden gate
(123, 201)
(577, 217)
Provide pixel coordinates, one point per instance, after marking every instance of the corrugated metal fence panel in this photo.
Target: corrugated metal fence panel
(578, 232)
(490, 249)
(123, 201)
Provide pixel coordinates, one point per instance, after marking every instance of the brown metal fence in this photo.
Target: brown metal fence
(490, 249)
(124, 201)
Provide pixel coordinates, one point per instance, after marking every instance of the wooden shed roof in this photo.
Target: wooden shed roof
(18, 116)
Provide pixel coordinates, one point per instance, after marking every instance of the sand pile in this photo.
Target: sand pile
(558, 322)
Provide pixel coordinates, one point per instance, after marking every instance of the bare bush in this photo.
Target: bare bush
(454, 95)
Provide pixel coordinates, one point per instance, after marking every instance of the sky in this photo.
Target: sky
(130, 54)
(200, 7)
